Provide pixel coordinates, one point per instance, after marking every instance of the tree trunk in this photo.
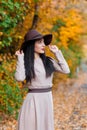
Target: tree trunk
(36, 17)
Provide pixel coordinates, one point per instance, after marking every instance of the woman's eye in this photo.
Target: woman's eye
(40, 41)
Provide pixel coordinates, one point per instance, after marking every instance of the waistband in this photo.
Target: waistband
(39, 90)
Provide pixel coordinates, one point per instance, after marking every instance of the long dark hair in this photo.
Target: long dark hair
(28, 49)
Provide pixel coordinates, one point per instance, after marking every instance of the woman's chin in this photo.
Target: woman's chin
(42, 52)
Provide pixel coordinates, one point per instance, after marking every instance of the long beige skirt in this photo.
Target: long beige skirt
(36, 112)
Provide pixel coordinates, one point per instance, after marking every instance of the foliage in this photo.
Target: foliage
(68, 28)
(12, 14)
(11, 95)
(67, 34)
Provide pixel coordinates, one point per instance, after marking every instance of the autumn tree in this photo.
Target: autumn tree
(12, 14)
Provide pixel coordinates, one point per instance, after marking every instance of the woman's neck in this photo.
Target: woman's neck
(36, 55)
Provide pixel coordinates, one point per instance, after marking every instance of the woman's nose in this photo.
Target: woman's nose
(43, 43)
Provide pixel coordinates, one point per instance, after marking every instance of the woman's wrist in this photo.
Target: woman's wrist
(21, 56)
(59, 56)
(56, 52)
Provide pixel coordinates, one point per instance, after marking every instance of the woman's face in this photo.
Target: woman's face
(39, 46)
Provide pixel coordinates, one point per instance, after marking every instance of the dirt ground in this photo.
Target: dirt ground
(70, 106)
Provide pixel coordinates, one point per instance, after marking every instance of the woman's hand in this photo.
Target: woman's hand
(53, 48)
(17, 53)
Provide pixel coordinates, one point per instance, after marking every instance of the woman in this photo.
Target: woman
(33, 65)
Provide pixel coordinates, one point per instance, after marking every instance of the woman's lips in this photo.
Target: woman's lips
(42, 49)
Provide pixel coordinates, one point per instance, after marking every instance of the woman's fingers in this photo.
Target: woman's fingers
(53, 48)
(18, 52)
(21, 51)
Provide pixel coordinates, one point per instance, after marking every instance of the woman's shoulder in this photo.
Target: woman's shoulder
(50, 58)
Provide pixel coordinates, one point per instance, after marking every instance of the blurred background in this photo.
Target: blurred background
(67, 21)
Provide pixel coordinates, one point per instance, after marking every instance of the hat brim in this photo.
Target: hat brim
(47, 39)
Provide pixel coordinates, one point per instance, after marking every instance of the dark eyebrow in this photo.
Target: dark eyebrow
(40, 39)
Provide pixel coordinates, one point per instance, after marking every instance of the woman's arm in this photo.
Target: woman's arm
(61, 65)
(20, 69)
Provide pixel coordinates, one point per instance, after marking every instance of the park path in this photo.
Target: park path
(70, 104)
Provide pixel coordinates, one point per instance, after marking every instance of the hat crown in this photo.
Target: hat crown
(32, 34)
(35, 35)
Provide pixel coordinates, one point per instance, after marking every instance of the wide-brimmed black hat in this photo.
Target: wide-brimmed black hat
(35, 35)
